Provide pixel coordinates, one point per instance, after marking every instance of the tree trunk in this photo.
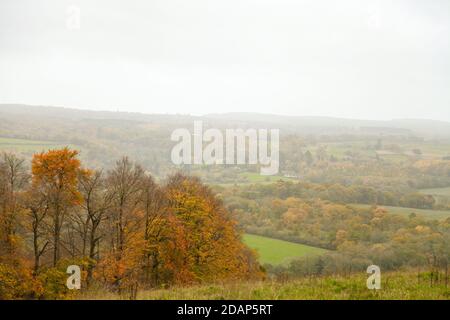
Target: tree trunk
(56, 237)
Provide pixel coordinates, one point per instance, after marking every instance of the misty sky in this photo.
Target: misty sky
(350, 58)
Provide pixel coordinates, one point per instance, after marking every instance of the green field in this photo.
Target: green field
(364, 148)
(437, 191)
(23, 145)
(427, 214)
(430, 149)
(258, 178)
(275, 251)
(340, 149)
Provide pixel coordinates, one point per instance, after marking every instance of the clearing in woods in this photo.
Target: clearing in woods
(275, 251)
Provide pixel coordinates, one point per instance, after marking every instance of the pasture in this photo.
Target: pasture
(274, 251)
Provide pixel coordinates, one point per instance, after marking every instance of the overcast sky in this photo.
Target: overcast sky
(350, 58)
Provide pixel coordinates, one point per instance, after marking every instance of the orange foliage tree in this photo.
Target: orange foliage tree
(55, 174)
(205, 243)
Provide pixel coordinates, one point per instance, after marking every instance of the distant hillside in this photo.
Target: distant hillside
(428, 128)
(79, 114)
(288, 124)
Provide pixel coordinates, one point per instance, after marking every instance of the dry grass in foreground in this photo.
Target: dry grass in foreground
(395, 286)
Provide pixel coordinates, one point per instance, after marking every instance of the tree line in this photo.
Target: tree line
(122, 227)
(340, 194)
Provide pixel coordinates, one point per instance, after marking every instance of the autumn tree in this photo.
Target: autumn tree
(206, 243)
(97, 200)
(125, 221)
(55, 174)
(13, 178)
(153, 205)
(37, 207)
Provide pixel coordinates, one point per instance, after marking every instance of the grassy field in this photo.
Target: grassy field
(363, 148)
(258, 178)
(427, 214)
(396, 285)
(437, 191)
(275, 251)
(340, 149)
(22, 145)
(430, 149)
